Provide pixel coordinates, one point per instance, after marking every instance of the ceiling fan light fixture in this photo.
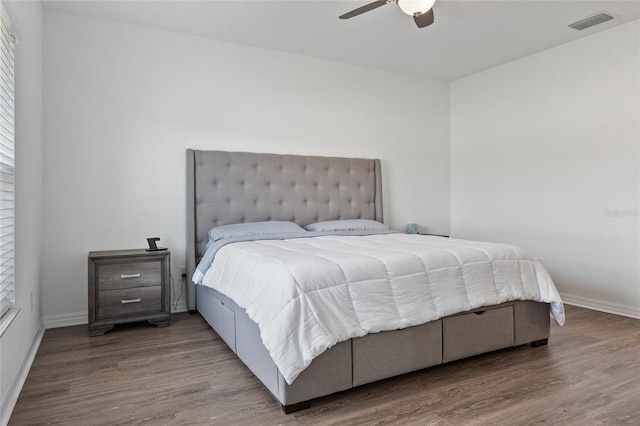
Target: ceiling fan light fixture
(413, 7)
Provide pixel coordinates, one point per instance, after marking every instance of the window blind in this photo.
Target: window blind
(7, 165)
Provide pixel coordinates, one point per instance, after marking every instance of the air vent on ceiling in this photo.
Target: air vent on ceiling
(592, 20)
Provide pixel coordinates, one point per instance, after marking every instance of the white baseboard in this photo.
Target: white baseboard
(81, 318)
(599, 305)
(65, 320)
(16, 385)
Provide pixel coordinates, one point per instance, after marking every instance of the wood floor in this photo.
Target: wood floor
(589, 374)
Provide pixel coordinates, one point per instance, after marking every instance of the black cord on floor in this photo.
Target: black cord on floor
(175, 300)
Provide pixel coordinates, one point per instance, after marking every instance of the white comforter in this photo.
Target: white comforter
(308, 294)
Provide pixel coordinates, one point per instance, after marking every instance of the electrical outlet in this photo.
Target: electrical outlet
(183, 271)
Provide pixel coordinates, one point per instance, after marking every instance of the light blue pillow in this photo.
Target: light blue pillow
(347, 225)
(252, 228)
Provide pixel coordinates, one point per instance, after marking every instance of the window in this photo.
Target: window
(7, 280)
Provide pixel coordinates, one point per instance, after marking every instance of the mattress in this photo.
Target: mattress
(306, 295)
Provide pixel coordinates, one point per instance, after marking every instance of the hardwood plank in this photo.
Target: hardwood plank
(589, 373)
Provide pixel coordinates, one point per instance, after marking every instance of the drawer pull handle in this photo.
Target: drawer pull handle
(126, 301)
(125, 276)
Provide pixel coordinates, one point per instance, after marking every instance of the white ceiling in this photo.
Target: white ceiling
(467, 36)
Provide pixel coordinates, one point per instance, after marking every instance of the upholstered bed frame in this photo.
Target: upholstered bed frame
(228, 187)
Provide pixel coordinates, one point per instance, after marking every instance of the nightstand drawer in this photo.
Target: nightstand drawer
(130, 301)
(129, 275)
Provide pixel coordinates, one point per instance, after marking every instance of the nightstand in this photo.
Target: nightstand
(128, 286)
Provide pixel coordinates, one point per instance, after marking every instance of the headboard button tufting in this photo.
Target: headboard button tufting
(240, 187)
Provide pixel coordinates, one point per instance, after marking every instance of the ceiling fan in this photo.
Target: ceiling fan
(421, 10)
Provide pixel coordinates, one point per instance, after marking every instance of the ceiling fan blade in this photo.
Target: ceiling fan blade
(424, 19)
(363, 9)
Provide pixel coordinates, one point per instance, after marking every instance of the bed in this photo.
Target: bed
(227, 188)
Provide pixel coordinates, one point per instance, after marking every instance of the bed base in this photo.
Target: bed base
(376, 356)
(288, 409)
(541, 342)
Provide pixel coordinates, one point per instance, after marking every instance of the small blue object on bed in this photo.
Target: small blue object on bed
(412, 228)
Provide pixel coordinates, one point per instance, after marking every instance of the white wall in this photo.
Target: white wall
(20, 340)
(544, 150)
(122, 103)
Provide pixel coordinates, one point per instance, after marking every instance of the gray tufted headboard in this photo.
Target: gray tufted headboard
(234, 187)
